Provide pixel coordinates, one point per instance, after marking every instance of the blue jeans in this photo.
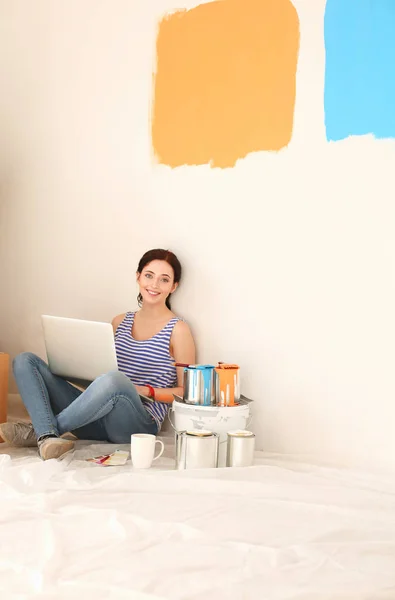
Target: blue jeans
(110, 409)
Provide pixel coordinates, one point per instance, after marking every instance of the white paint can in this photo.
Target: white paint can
(196, 450)
(240, 449)
(218, 419)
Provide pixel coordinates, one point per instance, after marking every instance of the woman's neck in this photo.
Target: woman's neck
(155, 313)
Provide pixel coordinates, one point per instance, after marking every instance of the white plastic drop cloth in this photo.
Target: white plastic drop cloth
(282, 529)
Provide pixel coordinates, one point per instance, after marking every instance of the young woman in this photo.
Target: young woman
(147, 343)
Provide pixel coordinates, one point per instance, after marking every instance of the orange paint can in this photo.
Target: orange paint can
(227, 384)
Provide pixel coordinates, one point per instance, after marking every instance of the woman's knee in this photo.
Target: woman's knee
(114, 382)
(24, 360)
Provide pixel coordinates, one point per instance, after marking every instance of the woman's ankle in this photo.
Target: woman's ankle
(46, 436)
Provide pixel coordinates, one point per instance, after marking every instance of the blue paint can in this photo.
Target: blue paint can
(199, 385)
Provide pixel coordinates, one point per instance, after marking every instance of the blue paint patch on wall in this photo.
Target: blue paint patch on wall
(360, 68)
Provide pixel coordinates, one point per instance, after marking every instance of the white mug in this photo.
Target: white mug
(142, 450)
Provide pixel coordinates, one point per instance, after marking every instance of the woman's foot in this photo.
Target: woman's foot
(21, 435)
(54, 447)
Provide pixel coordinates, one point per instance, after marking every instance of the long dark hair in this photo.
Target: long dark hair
(160, 254)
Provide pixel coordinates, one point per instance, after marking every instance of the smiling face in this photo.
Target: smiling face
(156, 282)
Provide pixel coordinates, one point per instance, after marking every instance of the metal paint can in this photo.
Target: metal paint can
(240, 448)
(199, 385)
(227, 384)
(196, 449)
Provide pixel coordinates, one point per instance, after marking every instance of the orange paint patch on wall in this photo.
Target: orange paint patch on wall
(225, 81)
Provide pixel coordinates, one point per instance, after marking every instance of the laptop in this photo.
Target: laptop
(79, 350)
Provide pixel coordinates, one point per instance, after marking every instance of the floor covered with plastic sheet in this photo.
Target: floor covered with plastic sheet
(283, 529)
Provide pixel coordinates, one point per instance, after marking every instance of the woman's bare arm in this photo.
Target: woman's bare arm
(182, 348)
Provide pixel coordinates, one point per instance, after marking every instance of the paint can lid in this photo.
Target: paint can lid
(241, 433)
(199, 432)
(198, 367)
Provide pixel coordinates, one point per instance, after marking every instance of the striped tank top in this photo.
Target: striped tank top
(147, 362)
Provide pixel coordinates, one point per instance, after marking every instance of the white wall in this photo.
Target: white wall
(288, 257)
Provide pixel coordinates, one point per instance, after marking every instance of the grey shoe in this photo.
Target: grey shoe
(21, 435)
(54, 447)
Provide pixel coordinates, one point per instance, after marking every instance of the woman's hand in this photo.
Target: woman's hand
(142, 390)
